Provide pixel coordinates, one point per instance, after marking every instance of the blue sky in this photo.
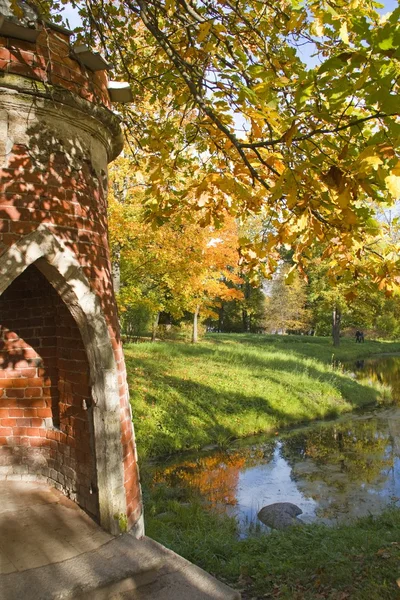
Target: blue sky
(74, 21)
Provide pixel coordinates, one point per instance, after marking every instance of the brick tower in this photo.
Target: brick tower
(64, 409)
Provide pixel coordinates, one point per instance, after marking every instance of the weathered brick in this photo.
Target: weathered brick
(43, 423)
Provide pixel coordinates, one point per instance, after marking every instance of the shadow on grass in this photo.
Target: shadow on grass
(354, 392)
(184, 414)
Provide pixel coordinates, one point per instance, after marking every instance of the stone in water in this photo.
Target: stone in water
(280, 515)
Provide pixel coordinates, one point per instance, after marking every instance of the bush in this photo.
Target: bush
(136, 321)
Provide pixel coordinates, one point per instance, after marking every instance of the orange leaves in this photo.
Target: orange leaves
(176, 265)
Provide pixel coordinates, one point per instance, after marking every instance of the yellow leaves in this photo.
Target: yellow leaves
(204, 30)
(382, 284)
(393, 185)
(392, 182)
(291, 274)
(343, 153)
(289, 134)
(255, 128)
(301, 223)
(396, 169)
(296, 20)
(334, 178)
(251, 254)
(361, 81)
(317, 27)
(268, 112)
(291, 193)
(369, 159)
(387, 150)
(345, 198)
(351, 295)
(349, 217)
(343, 33)
(318, 230)
(202, 200)
(274, 160)
(372, 161)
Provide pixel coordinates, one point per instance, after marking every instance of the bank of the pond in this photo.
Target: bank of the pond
(357, 562)
(228, 386)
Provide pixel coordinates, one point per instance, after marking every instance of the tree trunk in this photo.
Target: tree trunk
(246, 321)
(245, 313)
(195, 337)
(221, 318)
(155, 327)
(336, 320)
(116, 269)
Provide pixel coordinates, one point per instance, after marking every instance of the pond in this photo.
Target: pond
(334, 471)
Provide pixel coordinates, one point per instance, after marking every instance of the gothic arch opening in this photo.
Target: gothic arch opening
(45, 393)
(82, 388)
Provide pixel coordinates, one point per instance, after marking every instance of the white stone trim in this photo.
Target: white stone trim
(63, 271)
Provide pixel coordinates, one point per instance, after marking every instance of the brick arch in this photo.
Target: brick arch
(63, 271)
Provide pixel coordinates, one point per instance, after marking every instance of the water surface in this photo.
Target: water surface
(334, 471)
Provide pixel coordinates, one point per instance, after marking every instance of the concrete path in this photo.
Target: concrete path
(40, 526)
(51, 550)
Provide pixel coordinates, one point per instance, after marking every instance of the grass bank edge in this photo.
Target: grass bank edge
(232, 386)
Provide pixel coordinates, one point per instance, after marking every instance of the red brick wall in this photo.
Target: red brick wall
(45, 397)
(41, 183)
(73, 202)
(50, 60)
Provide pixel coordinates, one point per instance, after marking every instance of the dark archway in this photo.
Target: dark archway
(63, 271)
(45, 394)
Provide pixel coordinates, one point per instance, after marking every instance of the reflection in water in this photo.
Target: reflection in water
(267, 483)
(385, 370)
(332, 471)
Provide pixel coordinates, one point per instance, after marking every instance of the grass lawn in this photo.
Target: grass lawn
(187, 396)
(227, 386)
(360, 561)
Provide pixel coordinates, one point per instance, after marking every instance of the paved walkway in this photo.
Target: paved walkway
(51, 550)
(40, 526)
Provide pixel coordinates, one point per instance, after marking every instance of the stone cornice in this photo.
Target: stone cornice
(55, 96)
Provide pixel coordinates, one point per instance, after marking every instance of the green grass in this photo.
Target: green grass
(228, 386)
(358, 561)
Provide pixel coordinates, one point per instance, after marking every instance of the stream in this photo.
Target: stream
(334, 471)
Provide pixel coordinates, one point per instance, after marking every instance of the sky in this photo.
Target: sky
(74, 20)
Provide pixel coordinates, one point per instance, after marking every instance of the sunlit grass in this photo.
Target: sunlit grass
(359, 561)
(228, 386)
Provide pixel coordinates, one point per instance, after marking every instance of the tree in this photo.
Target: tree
(216, 272)
(338, 302)
(286, 306)
(175, 267)
(342, 457)
(311, 148)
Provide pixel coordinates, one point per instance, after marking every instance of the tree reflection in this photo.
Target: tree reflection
(361, 449)
(343, 467)
(346, 468)
(385, 370)
(213, 477)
